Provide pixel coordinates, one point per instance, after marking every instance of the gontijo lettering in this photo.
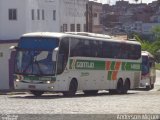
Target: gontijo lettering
(135, 66)
(85, 65)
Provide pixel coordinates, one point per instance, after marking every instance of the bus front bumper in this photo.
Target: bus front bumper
(144, 82)
(31, 86)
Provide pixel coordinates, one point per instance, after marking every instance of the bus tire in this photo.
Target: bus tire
(149, 87)
(37, 93)
(120, 87)
(72, 88)
(152, 86)
(90, 92)
(112, 91)
(126, 86)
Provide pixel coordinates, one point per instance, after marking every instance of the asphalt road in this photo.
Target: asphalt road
(135, 102)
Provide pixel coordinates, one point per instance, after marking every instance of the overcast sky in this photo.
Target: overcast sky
(131, 1)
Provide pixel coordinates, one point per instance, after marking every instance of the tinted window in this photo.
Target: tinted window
(104, 49)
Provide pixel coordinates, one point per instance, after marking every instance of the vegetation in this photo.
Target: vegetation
(152, 47)
(158, 66)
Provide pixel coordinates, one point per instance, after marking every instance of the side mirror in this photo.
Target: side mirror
(54, 55)
(13, 48)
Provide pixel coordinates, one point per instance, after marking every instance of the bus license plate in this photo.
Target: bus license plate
(32, 87)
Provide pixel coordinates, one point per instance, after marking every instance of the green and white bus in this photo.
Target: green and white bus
(65, 62)
(148, 71)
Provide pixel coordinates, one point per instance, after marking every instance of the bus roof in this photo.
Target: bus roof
(61, 35)
(146, 53)
(90, 34)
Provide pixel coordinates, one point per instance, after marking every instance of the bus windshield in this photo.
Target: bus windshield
(145, 65)
(35, 56)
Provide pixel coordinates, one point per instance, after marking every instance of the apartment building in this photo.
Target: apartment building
(23, 16)
(94, 17)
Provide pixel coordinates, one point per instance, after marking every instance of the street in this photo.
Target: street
(135, 102)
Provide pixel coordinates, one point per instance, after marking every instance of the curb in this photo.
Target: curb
(7, 92)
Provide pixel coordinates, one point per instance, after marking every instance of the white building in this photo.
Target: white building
(22, 16)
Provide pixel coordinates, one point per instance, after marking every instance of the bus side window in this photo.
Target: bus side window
(76, 47)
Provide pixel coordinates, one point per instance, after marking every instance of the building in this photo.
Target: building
(6, 64)
(23, 16)
(94, 12)
(73, 15)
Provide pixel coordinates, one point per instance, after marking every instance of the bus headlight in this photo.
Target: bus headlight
(48, 82)
(17, 80)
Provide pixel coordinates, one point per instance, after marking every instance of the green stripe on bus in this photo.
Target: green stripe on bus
(101, 65)
(87, 64)
(113, 65)
(109, 75)
(131, 66)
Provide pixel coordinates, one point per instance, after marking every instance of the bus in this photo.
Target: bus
(67, 63)
(148, 71)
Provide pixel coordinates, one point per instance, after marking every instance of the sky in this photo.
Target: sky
(131, 1)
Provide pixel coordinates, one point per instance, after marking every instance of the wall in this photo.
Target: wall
(13, 29)
(4, 65)
(73, 12)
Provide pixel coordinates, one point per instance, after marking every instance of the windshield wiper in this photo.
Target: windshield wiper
(39, 68)
(31, 63)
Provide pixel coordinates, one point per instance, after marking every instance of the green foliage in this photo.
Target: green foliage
(156, 32)
(152, 47)
(157, 66)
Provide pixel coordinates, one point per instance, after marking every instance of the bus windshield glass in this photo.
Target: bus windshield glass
(35, 56)
(145, 65)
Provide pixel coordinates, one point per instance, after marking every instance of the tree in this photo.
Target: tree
(152, 47)
(156, 32)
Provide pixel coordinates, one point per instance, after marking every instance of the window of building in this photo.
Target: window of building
(32, 13)
(85, 30)
(54, 14)
(64, 27)
(43, 16)
(1, 54)
(72, 27)
(12, 14)
(38, 14)
(95, 14)
(78, 27)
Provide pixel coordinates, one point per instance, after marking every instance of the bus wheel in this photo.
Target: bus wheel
(90, 92)
(149, 87)
(126, 86)
(36, 93)
(72, 88)
(120, 87)
(152, 86)
(112, 91)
